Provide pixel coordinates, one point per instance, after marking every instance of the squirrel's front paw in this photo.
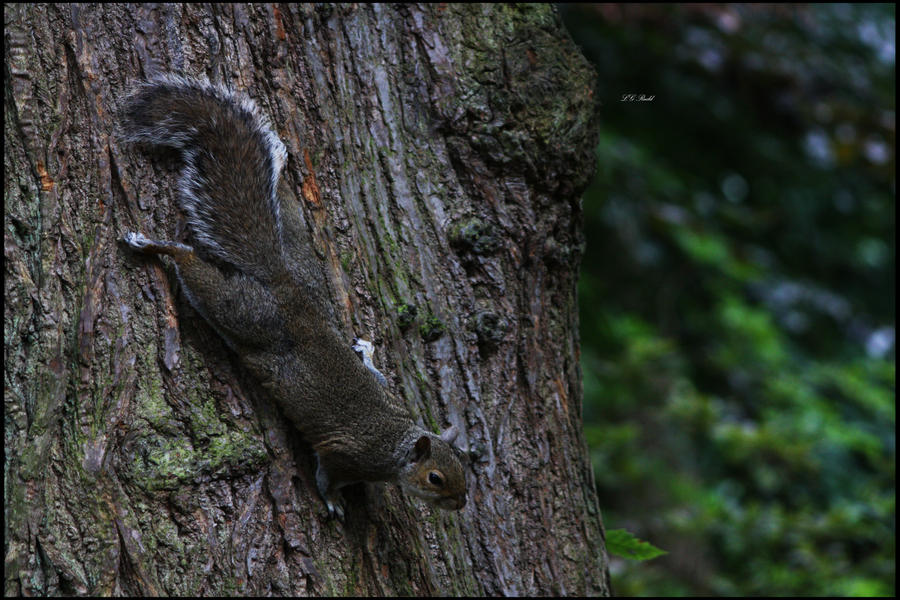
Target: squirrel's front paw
(335, 509)
(366, 351)
(330, 494)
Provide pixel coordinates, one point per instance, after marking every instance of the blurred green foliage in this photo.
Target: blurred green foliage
(737, 295)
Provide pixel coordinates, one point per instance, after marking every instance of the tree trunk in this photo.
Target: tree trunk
(438, 153)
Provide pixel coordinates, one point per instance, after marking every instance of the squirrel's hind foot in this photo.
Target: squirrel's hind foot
(138, 241)
(141, 243)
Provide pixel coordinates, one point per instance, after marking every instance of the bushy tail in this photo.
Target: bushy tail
(232, 163)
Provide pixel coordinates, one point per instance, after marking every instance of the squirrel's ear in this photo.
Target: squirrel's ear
(449, 435)
(422, 449)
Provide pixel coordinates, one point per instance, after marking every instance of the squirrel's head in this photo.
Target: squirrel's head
(435, 471)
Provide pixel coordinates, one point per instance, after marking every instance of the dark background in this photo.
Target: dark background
(737, 295)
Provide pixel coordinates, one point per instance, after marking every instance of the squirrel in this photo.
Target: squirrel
(253, 276)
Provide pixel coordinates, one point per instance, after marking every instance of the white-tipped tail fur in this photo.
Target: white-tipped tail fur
(232, 162)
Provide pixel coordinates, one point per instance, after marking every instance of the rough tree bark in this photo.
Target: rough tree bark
(439, 153)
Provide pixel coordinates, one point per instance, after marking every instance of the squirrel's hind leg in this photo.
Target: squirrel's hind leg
(141, 243)
(240, 308)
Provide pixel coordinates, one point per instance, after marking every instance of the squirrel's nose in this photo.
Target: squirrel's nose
(452, 502)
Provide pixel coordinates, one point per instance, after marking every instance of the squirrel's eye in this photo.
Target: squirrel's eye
(435, 479)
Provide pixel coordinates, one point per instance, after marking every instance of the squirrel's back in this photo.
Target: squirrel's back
(233, 160)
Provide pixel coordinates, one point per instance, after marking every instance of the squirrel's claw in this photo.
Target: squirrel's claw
(335, 510)
(136, 240)
(364, 347)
